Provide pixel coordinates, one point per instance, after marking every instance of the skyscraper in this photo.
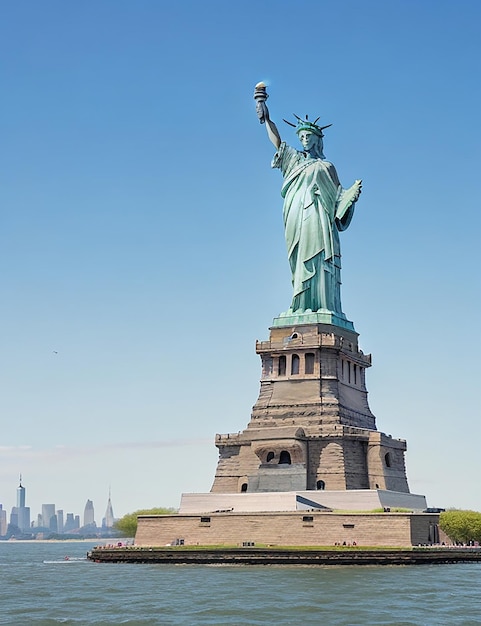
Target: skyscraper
(70, 523)
(14, 517)
(109, 518)
(89, 516)
(21, 511)
(60, 521)
(3, 521)
(20, 494)
(48, 511)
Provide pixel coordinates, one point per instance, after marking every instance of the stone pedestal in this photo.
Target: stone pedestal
(311, 427)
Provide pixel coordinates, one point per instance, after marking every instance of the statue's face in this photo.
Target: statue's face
(308, 139)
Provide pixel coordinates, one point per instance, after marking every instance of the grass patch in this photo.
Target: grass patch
(260, 546)
(379, 510)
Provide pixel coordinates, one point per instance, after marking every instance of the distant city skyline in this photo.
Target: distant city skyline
(50, 517)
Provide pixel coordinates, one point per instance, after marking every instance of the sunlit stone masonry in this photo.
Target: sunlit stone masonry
(311, 427)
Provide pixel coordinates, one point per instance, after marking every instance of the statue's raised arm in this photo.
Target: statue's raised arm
(316, 208)
(260, 96)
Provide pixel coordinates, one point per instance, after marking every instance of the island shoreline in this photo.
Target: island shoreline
(200, 555)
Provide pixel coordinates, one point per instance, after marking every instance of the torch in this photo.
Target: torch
(260, 96)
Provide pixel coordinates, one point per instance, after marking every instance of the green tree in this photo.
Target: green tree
(127, 525)
(461, 526)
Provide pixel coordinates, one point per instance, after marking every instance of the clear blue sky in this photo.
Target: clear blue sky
(142, 249)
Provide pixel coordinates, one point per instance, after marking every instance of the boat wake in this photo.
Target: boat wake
(68, 559)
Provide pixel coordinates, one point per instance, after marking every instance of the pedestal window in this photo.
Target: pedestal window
(284, 458)
(309, 363)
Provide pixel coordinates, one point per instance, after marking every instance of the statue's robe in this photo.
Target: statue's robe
(316, 208)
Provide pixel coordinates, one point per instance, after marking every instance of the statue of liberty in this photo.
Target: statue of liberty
(316, 208)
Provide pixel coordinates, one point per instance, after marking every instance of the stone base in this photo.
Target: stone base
(346, 500)
(311, 427)
(302, 528)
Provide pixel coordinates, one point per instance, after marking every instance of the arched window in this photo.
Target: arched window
(284, 458)
(270, 456)
(321, 485)
(268, 365)
(295, 364)
(309, 363)
(243, 487)
(281, 370)
(387, 459)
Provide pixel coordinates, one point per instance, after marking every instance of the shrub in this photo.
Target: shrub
(127, 525)
(461, 526)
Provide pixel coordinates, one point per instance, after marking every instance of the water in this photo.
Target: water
(39, 588)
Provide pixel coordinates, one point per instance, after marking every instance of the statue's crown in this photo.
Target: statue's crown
(312, 127)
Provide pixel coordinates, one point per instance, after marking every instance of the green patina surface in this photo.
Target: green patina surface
(297, 318)
(316, 209)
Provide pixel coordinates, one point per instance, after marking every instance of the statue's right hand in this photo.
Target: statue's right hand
(262, 111)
